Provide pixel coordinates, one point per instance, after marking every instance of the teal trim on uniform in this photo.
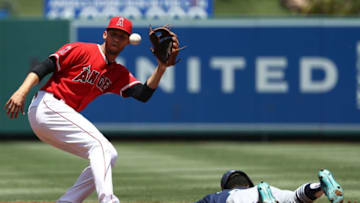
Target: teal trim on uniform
(265, 193)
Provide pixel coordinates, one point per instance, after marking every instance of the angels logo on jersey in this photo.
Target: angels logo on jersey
(90, 76)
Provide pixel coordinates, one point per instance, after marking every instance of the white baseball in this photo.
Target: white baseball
(135, 39)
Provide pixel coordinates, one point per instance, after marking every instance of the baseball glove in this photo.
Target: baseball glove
(162, 45)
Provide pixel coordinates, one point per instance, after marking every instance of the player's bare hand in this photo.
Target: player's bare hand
(15, 105)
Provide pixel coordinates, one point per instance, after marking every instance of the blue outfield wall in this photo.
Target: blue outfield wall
(241, 76)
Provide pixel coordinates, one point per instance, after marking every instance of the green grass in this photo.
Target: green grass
(175, 172)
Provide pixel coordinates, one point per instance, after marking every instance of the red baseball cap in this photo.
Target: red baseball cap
(120, 23)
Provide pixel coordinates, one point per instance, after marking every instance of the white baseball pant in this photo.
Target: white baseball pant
(251, 195)
(57, 124)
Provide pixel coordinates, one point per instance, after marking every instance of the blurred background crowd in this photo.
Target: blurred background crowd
(223, 8)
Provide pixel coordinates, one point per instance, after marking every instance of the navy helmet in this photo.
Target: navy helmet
(235, 177)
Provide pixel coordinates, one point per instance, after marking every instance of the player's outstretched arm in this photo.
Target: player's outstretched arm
(154, 80)
(16, 103)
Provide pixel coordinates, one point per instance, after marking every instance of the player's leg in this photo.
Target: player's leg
(102, 160)
(82, 188)
(308, 192)
(59, 125)
(328, 185)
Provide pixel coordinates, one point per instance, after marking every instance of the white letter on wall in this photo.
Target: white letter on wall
(307, 65)
(193, 75)
(227, 65)
(270, 75)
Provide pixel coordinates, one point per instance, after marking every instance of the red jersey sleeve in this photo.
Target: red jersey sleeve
(67, 55)
(124, 81)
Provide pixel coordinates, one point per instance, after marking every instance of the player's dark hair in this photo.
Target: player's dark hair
(237, 180)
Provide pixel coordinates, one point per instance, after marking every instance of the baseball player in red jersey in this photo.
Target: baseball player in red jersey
(81, 72)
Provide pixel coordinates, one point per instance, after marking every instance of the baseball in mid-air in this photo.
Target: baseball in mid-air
(135, 39)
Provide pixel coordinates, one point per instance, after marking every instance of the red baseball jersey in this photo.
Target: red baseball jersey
(83, 74)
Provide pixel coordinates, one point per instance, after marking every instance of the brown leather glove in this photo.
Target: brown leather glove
(163, 48)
